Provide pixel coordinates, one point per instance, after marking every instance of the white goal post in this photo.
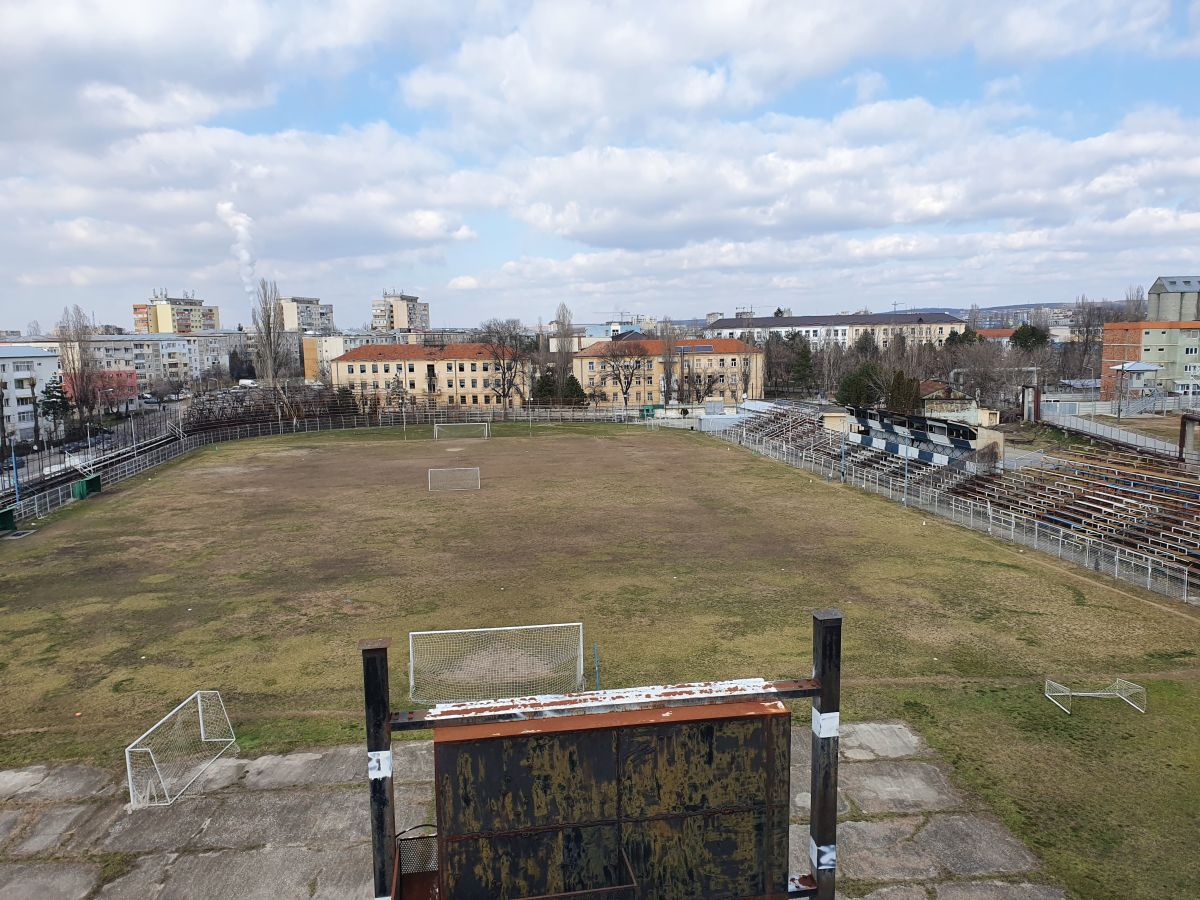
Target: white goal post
(443, 430)
(1061, 695)
(454, 479)
(492, 663)
(163, 762)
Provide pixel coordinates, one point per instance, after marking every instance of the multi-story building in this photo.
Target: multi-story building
(24, 373)
(398, 311)
(718, 368)
(307, 314)
(163, 314)
(1174, 298)
(453, 375)
(844, 330)
(1172, 346)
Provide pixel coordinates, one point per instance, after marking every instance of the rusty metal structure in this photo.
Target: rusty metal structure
(669, 791)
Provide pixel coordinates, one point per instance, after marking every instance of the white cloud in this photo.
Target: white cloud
(867, 83)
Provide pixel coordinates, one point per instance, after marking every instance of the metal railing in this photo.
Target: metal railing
(930, 492)
(1117, 435)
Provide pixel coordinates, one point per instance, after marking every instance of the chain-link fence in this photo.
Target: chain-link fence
(930, 492)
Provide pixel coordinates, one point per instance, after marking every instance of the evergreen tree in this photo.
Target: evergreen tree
(861, 387)
(1029, 337)
(55, 405)
(803, 374)
(573, 393)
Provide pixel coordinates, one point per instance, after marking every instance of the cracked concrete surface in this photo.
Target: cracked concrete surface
(295, 825)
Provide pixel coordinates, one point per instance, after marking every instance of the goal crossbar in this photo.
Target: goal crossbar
(465, 664)
(1061, 695)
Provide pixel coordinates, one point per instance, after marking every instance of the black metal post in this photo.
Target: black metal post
(827, 668)
(379, 763)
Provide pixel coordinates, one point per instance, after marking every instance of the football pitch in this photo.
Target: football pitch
(253, 568)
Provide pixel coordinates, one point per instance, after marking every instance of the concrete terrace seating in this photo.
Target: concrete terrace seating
(1140, 503)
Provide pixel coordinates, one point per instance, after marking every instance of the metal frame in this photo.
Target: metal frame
(1122, 689)
(475, 469)
(824, 689)
(136, 800)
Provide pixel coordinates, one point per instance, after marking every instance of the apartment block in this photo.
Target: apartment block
(174, 315)
(398, 311)
(844, 330)
(1172, 346)
(24, 373)
(451, 375)
(723, 368)
(307, 314)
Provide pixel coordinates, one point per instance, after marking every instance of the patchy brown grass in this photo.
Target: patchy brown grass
(255, 567)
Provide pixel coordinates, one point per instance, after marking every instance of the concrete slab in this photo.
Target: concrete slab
(13, 781)
(897, 787)
(339, 765)
(271, 873)
(332, 817)
(10, 820)
(872, 851)
(40, 880)
(71, 782)
(158, 828)
(998, 890)
(50, 828)
(896, 892)
(878, 740)
(224, 772)
(412, 761)
(971, 845)
(145, 881)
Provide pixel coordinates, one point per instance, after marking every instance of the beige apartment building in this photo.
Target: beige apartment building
(715, 369)
(398, 311)
(306, 314)
(451, 375)
(174, 315)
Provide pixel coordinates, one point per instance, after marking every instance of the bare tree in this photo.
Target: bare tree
(272, 354)
(509, 350)
(621, 362)
(668, 333)
(81, 369)
(33, 329)
(1135, 303)
(564, 339)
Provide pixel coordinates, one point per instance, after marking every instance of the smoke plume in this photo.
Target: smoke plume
(243, 242)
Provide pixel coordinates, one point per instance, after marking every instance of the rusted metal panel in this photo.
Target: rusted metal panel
(696, 798)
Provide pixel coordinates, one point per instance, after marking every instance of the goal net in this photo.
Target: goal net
(1133, 694)
(491, 663)
(454, 479)
(164, 761)
(451, 430)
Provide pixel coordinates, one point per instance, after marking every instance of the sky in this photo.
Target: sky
(663, 158)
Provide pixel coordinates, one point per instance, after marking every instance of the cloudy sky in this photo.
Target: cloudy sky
(660, 157)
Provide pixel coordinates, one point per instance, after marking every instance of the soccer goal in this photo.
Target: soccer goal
(453, 430)
(164, 761)
(491, 663)
(454, 479)
(1061, 695)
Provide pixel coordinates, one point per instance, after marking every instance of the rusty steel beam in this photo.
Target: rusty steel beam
(588, 702)
(379, 764)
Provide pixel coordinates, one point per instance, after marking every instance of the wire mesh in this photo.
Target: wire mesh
(163, 762)
(491, 663)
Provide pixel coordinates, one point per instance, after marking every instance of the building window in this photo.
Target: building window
(362, 369)
(487, 399)
(462, 382)
(487, 382)
(485, 367)
(475, 399)
(591, 365)
(412, 385)
(450, 383)
(374, 368)
(375, 385)
(410, 367)
(474, 381)
(1191, 351)
(462, 367)
(733, 364)
(721, 363)
(386, 368)
(472, 367)
(449, 367)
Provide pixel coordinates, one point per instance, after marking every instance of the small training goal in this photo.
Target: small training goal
(491, 663)
(453, 430)
(1061, 695)
(163, 762)
(454, 479)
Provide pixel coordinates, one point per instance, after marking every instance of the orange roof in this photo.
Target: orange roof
(391, 352)
(656, 347)
(996, 332)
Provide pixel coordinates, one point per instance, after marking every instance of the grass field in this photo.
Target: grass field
(255, 567)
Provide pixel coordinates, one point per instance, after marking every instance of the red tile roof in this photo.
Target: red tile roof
(995, 332)
(392, 352)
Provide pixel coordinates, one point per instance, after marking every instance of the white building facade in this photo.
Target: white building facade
(24, 373)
